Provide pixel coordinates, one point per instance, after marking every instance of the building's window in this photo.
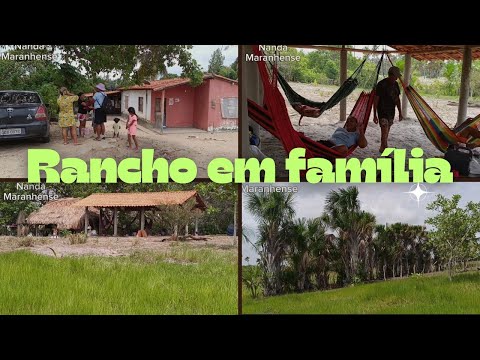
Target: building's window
(229, 108)
(140, 104)
(126, 102)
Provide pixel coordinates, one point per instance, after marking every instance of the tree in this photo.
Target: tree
(455, 229)
(354, 226)
(134, 63)
(307, 244)
(273, 212)
(216, 62)
(9, 210)
(177, 217)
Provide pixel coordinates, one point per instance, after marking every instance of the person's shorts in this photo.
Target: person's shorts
(82, 117)
(99, 117)
(385, 122)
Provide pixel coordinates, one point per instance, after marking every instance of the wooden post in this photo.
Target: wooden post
(343, 77)
(142, 218)
(234, 222)
(464, 85)
(407, 73)
(162, 106)
(36, 230)
(251, 88)
(196, 225)
(86, 220)
(186, 230)
(115, 222)
(100, 223)
(175, 231)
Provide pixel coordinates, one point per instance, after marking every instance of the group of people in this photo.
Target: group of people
(67, 120)
(387, 98)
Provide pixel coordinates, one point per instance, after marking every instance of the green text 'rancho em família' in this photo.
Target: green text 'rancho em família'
(393, 166)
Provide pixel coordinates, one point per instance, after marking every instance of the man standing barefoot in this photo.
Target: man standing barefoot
(387, 97)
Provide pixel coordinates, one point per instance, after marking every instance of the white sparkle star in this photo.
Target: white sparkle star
(418, 192)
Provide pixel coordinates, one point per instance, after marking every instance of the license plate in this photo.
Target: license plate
(10, 131)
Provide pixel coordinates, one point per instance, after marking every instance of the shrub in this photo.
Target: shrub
(26, 241)
(65, 233)
(80, 238)
(252, 278)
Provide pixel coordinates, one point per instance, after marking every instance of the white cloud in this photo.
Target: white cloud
(202, 54)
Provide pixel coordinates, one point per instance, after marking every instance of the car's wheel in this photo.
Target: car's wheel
(45, 139)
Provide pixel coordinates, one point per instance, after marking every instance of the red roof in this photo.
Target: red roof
(157, 85)
(106, 92)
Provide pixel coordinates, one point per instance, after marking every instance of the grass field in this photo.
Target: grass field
(183, 281)
(415, 295)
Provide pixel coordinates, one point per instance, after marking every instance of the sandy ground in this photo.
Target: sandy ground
(406, 134)
(198, 145)
(113, 246)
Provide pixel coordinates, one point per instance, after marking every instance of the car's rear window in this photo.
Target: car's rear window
(18, 98)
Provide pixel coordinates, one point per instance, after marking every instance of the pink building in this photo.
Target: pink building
(211, 105)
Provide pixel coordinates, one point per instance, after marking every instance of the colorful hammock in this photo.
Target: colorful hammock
(311, 108)
(439, 134)
(274, 117)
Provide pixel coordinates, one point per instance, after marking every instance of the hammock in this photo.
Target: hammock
(439, 133)
(275, 119)
(309, 108)
(263, 117)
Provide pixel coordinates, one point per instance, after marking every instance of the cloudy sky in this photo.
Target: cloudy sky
(388, 202)
(203, 53)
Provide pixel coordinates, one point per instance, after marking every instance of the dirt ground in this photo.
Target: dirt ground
(406, 134)
(112, 246)
(198, 145)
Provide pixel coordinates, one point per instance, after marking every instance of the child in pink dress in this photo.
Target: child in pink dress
(132, 127)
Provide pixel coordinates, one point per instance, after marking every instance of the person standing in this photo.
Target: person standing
(99, 116)
(132, 127)
(82, 114)
(66, 117)
(387, 97)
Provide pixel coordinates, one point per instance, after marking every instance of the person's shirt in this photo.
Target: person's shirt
(65, 104)
(343, 137)
(116, 127)
(98, 98)
(132, 120)
(82, 109)
(388, 93)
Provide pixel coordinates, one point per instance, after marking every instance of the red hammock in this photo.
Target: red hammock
(275, 119)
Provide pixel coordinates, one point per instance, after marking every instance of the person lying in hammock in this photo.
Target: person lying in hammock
(344, 137)
(470, 133)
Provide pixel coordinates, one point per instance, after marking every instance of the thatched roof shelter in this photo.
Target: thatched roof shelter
(61, 213)
(137, 200)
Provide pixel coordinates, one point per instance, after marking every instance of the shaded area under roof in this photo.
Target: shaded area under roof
(148, 199)
(437, 52)
(62, 213)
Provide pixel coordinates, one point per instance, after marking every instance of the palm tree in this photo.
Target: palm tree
(273, 211)
(343, 214)
(307, 245)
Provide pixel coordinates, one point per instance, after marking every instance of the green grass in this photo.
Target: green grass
(415, 295)
(184, 281)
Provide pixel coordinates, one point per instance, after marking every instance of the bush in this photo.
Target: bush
(80, 238)
(65, 233)
(252, 278)
(27, 241)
